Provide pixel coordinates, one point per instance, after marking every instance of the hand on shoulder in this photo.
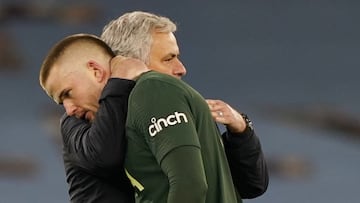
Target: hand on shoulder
(127, 67)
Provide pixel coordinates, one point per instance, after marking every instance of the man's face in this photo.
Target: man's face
(77, 90)
(164, 55)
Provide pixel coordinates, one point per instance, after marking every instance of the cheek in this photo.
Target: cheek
(93, 98)
(161, 67)
(89, 102)
(89, 96)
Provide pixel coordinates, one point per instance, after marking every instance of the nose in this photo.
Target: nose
(70, 108)
(179, 69)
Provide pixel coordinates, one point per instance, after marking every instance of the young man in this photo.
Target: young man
(84, 84)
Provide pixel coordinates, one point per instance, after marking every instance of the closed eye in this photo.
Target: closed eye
(170, 57)
(64, 95)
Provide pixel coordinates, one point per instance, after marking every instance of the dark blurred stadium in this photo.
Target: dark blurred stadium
(292, 66)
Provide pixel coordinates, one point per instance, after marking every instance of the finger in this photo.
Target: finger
(218, 114)
(213, 104)
(117, 59)
(217, 108)
(214, 114)
(219, 119)
(212, 101)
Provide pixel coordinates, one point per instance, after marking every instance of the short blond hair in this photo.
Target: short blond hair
(58, 50)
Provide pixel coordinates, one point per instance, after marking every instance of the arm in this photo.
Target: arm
(176, 147)
(247, 163)
(243, 150)
(101, 144)
(181, 165)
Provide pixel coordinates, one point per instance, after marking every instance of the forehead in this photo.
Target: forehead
(164, 42)
(58, 78)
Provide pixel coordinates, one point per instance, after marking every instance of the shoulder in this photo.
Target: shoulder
(159, 82)
(156, 76)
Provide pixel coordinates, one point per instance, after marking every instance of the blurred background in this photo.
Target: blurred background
(292, 66)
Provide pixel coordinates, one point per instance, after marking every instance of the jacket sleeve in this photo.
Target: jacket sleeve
(247, 163)
(99, 146)
(181, 165)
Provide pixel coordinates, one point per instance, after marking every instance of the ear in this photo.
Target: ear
(97, 70)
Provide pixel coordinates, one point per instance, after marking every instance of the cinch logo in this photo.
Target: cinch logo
(172, 119)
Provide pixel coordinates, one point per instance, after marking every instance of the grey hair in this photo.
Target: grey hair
(131, 34)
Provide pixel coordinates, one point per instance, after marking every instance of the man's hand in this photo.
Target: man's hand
(225, 114)
(126, 67)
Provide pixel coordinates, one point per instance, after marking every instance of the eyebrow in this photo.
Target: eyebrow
(171, 54)
(60, 97)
